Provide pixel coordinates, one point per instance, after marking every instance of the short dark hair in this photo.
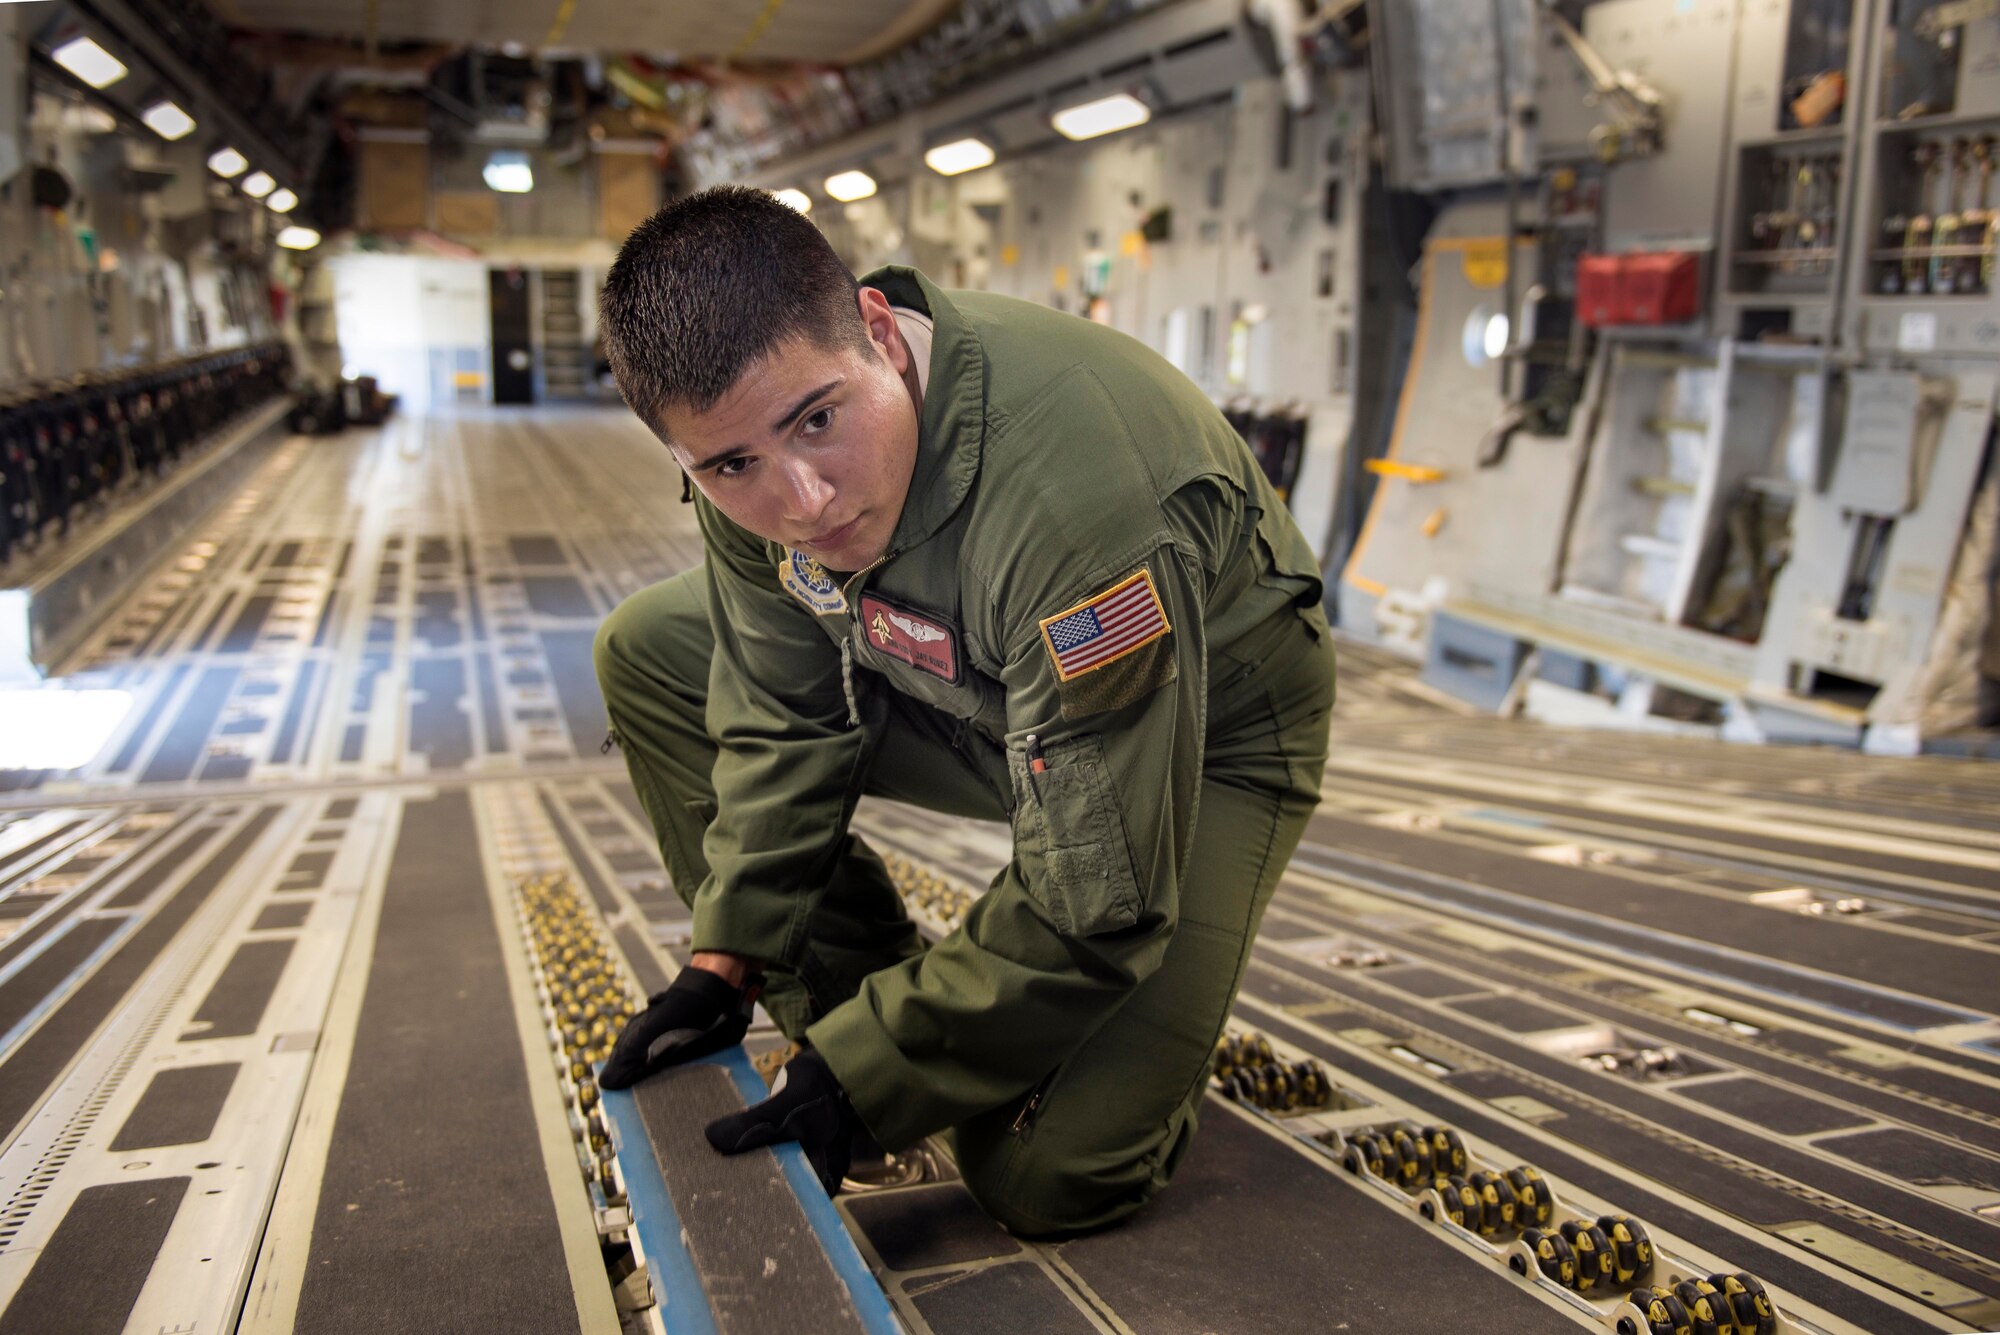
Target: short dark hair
(708, 286)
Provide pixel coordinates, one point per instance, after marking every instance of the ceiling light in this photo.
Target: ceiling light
(963, 155)
(89, 62)
(850, 186)
(167, 121)
(258, 184)
(298, 238)
(1120, 111)
(227, 162)
(794, 199)
(508, 172)
(282, 201)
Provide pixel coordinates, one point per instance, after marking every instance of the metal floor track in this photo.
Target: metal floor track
(276, 1042)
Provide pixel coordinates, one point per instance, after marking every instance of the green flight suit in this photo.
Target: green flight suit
(1079, 510)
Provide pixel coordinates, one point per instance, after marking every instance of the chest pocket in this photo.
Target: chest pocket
(1070, 836)
(923, 656)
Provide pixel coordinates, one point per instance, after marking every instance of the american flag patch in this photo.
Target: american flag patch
(1105, 628)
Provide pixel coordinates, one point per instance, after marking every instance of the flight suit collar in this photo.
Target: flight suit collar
(952, 434)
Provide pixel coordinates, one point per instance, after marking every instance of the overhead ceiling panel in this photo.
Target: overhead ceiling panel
(804, 30)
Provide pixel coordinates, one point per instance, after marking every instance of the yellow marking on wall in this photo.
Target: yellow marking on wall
(1485, 262)
(757, 26)
(563, 15)
(1420, 474)
(1466, 247)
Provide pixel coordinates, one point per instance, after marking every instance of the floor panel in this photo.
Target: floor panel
(268, 1058)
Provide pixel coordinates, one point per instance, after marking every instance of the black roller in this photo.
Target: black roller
(1447, 1150)
(1708, 1312)
(1500, 1205)
(1280, 1095)
(1553, 1255)
(1461, 1202)
(1537, 1203)
(1413, 1159)
(1665, 1314)
(1596, 1266)
(1749, 1303)
(1632, 1247)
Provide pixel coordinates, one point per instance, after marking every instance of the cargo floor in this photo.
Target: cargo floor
(273, 1057)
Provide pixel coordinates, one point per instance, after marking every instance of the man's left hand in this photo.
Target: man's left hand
(807, 1105)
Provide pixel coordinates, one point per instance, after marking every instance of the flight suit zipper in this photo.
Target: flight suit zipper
(1026, 1117)
(847, 683)
(847, 644)
(847, 589)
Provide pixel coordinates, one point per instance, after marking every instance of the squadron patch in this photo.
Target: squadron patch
(811, 583)
(910, 636)
(1103, 629)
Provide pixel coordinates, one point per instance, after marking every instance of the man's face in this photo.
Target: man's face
(813, 447)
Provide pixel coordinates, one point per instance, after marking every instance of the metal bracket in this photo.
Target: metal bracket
(1635, 105)
(1937, 23)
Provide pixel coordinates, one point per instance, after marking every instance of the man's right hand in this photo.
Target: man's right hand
(699, 1014)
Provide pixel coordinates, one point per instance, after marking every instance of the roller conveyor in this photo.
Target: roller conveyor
(754, 1236)
(281, 1046)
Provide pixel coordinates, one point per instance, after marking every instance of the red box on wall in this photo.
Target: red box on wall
(1655, 288)
(1660, 288)
(1597, 290)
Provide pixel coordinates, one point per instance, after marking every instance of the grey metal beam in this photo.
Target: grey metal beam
(1164, 29)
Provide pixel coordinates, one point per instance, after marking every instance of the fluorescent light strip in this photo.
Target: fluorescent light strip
(167, 121)
(89, 62)
(258, 184)
(298, 238)
(961, 155)
(1107, 115)
(282, 201)
(850, 186)
(794, 199)
(227, 162)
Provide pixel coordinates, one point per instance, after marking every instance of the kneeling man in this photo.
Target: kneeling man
(996, 561)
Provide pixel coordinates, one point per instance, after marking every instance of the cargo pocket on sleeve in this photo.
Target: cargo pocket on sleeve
(1070, 836)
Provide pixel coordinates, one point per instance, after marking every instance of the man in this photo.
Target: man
(976, 555)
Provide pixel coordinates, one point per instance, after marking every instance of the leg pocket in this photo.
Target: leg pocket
(1070, 836)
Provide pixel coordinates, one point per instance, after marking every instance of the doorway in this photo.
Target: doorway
(513, 342)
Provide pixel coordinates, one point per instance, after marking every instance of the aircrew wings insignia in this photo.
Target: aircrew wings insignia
(920, 631)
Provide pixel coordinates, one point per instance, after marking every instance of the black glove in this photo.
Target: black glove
(806, 1104)
(698, 1014)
